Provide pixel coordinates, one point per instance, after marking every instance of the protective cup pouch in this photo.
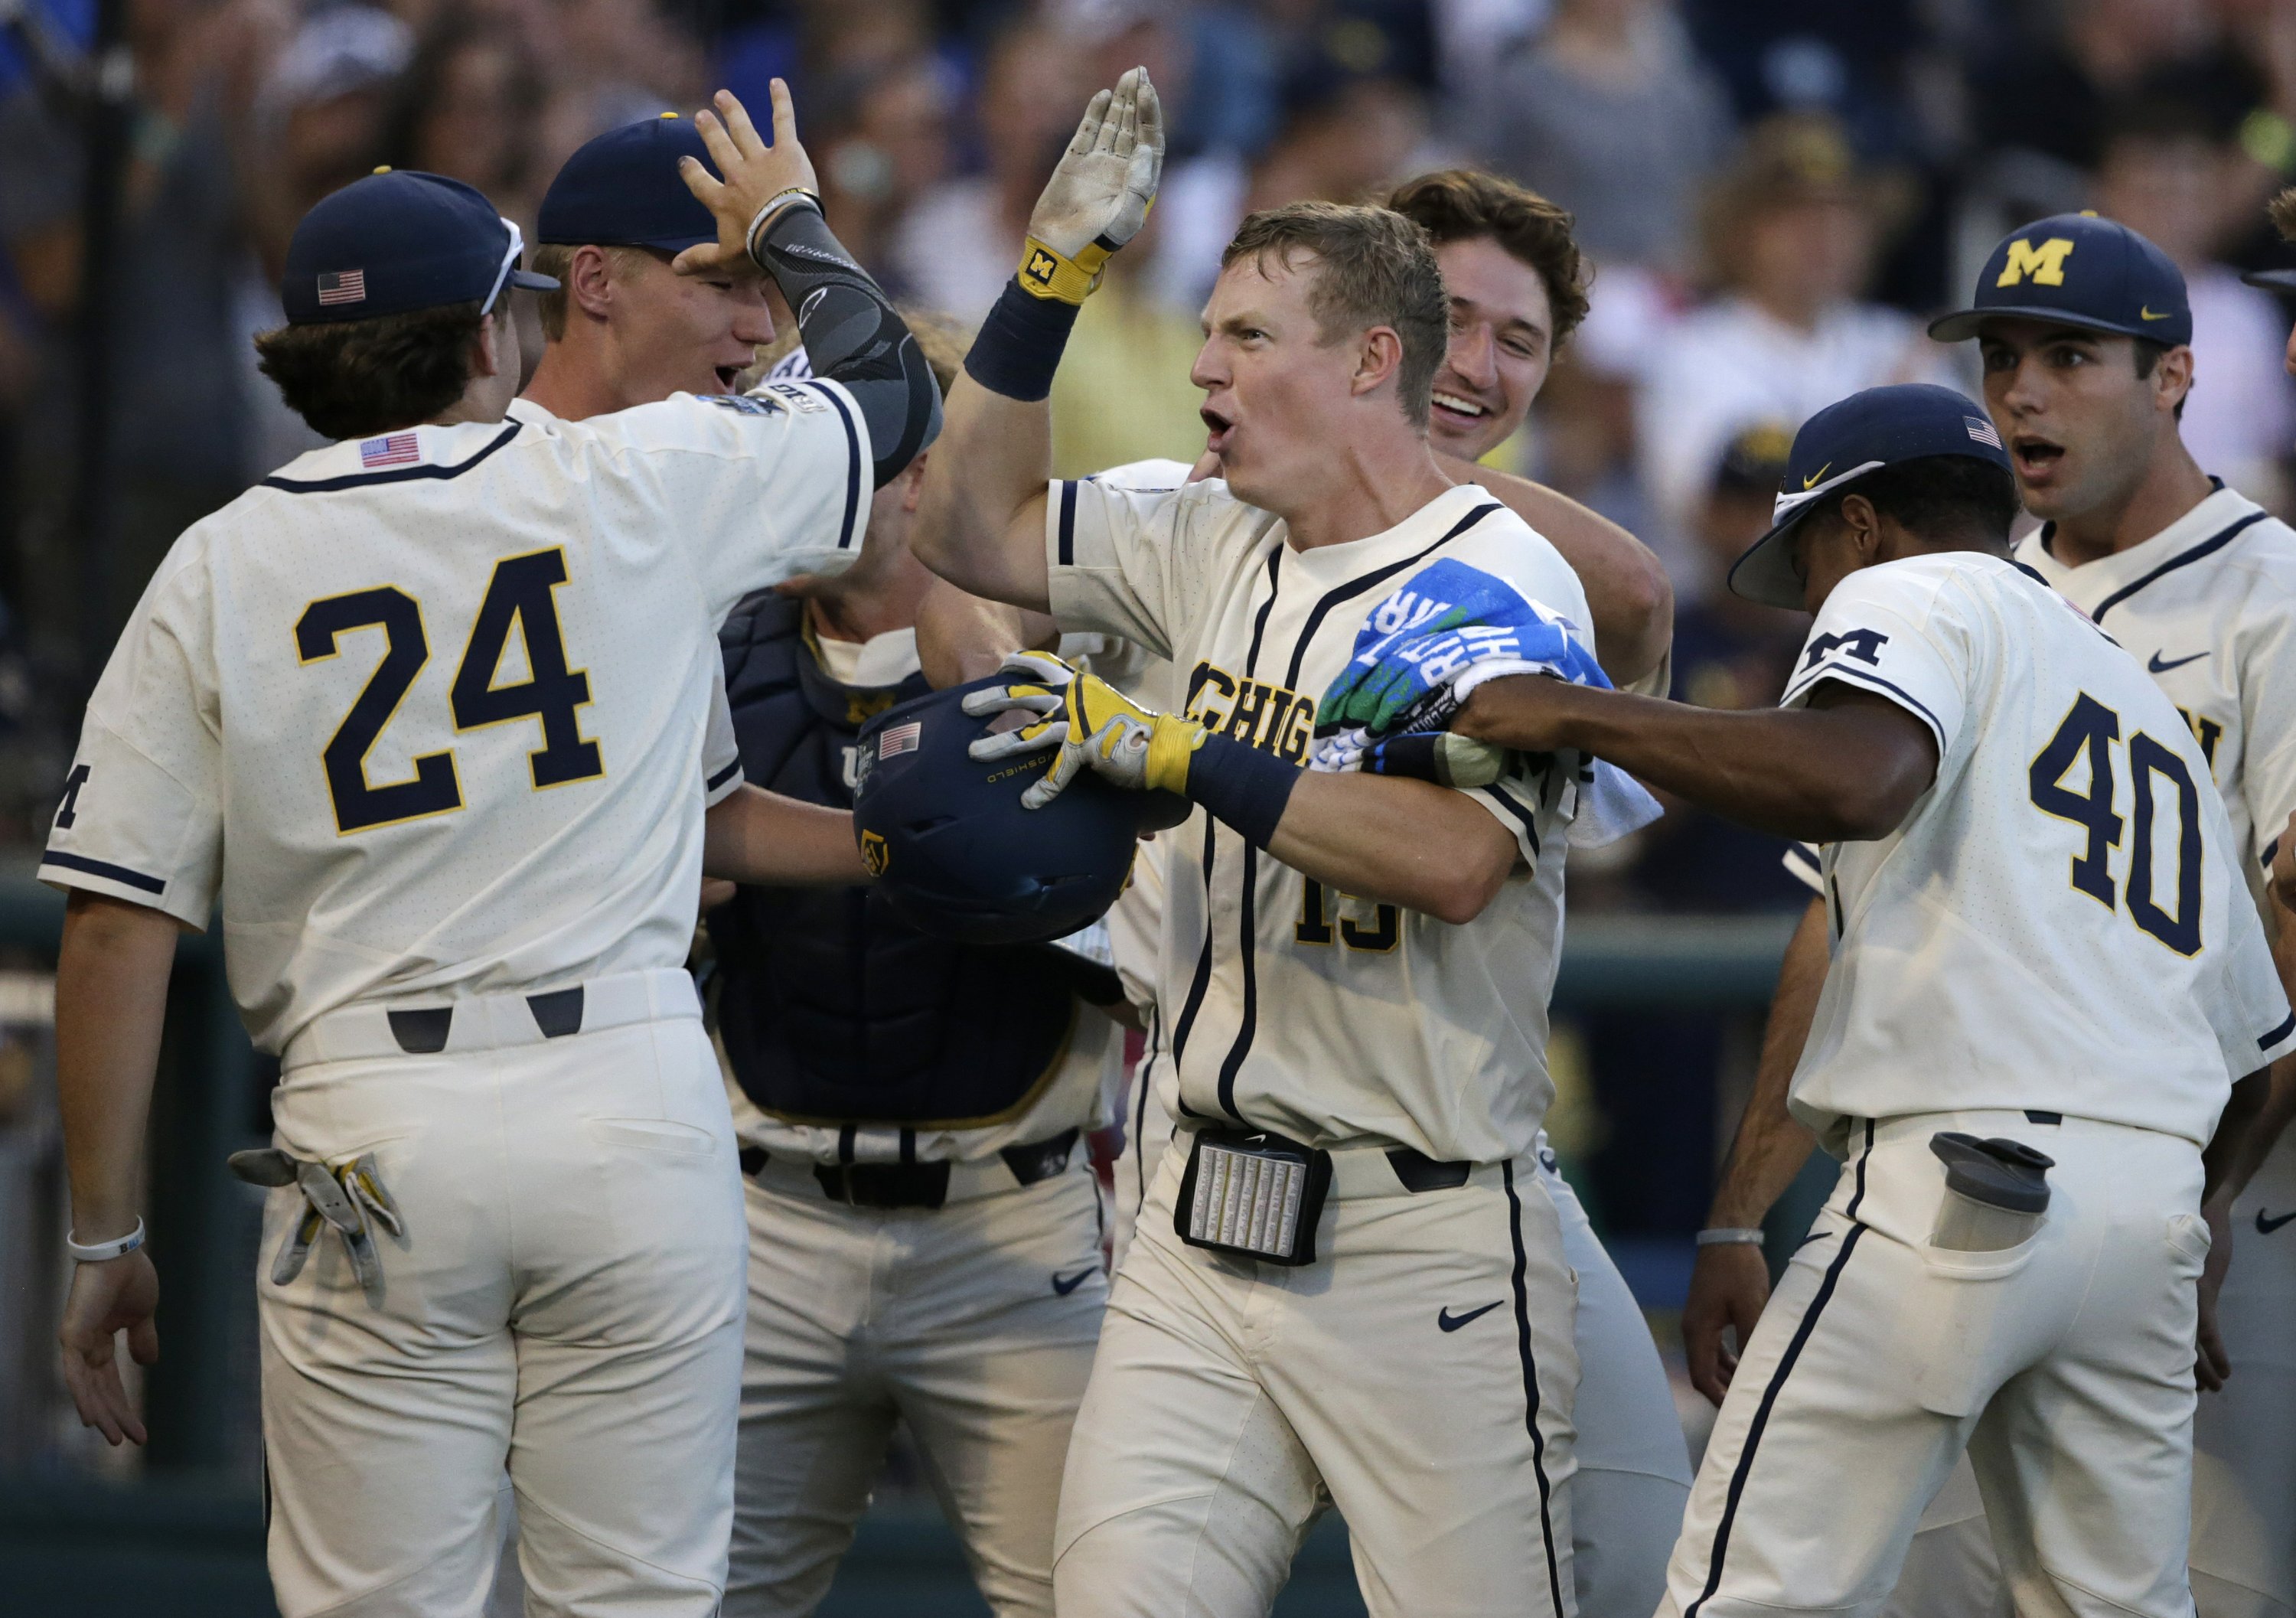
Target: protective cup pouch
(1256, 1196)
(1997, 1192)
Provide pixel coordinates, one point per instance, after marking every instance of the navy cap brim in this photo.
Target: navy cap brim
(1962, 325)
(1765, 574)
(2277, 281)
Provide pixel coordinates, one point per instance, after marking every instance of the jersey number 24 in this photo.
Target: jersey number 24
(519, 594)
(2092, 729)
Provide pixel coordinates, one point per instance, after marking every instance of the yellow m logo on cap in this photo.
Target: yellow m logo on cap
(2045, 263)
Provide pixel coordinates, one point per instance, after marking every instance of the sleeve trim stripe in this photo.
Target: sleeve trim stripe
(1507, 802)
(846, 536)
(731, 772)
(1067, 549)
(1843, 671)
(1797, 862)
(106, 869)
(2279, 1033)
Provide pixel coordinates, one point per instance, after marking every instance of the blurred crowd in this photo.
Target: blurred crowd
(1773, 194)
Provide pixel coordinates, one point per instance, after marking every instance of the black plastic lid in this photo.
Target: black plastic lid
(1999, 1172)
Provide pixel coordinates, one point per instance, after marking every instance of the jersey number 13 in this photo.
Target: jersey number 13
(519, 594)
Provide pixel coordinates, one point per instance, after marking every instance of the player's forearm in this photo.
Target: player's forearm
(768, 840)
(1821, 774)
(1411, 843)
(2263, 1132)
(1628, 593)
(1771, 1146)
(2231, 1148)
(980, 516)
(854, 336)
(111, 998)
(962, 637)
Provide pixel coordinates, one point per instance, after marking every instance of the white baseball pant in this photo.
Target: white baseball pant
(973, 1322)
(566, 1303)
(2244, 1437)
(1418, 1376)
(2062, 1364)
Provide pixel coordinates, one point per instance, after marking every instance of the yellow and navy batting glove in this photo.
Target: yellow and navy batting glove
(1090, 722)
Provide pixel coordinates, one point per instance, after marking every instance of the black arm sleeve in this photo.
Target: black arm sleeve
(853, 336)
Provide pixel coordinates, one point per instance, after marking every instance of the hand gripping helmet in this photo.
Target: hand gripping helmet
(953, 851)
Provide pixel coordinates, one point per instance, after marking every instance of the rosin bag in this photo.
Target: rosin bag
(1997, 1192)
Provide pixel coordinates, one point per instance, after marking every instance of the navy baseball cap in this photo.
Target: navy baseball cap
(1844, 442)
(2075, 269)
(623, 190)
(400, 241)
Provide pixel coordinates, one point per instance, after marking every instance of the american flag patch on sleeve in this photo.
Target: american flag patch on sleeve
(900, 738)
(1982, 430)
(397, 449)
(343, 286)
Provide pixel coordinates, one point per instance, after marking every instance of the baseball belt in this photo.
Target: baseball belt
(1257, 1195)
(925, 1185)
(490, 1022)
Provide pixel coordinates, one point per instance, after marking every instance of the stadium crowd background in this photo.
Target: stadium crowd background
(1771, 195)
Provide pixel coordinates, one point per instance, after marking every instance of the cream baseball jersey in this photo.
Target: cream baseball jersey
(1282, 1003)
(2059, 923)
(2209, 605)
(426, 713)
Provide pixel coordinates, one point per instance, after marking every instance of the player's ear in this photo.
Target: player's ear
(1863, 524)
(2172, 377)
(1377, 360)
(488, 354)
(589, 281)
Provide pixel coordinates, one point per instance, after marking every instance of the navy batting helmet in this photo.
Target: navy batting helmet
(953, 850)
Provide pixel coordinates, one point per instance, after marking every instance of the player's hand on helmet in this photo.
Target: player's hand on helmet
(1090, 723)
(2213, 1364)
(1101, 189)
(1729, 1283)
(117, 1295)
(754, 173)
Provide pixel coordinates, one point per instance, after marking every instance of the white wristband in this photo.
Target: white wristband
(118, 1247)
(1730, 1235)
(787, 197)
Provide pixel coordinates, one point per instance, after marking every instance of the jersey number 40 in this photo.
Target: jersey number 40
(519, 594)
(2091, 728)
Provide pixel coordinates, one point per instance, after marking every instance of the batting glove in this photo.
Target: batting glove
(1092, 725)
(1100, 191)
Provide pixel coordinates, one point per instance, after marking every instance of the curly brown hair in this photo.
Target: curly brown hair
(1466, 204)
(352, 379)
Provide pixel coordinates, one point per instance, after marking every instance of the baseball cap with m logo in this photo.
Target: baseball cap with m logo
(2077, 270)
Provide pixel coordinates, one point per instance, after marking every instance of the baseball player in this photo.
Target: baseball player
(1348, 1279)
(2083, 326)
(457, 884)
(1516, 292)
(2040, 1047)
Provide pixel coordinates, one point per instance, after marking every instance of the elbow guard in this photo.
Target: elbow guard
(853, 336)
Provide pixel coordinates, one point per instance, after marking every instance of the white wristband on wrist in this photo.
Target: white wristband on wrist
(1730, 1235)
(99, 1252)
(787, 197)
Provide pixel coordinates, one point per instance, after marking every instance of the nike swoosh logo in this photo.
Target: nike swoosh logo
(2145, 313)
(1450, 1322)
(2158, 667)
(1810, 481)
(2265, 1226)
(1065, 1285)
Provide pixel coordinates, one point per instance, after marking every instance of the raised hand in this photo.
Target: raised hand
(756, 177)
(1101, 189)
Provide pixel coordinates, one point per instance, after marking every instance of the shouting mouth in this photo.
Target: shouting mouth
(2036, 457)
(1218, 430)
(728, 377)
